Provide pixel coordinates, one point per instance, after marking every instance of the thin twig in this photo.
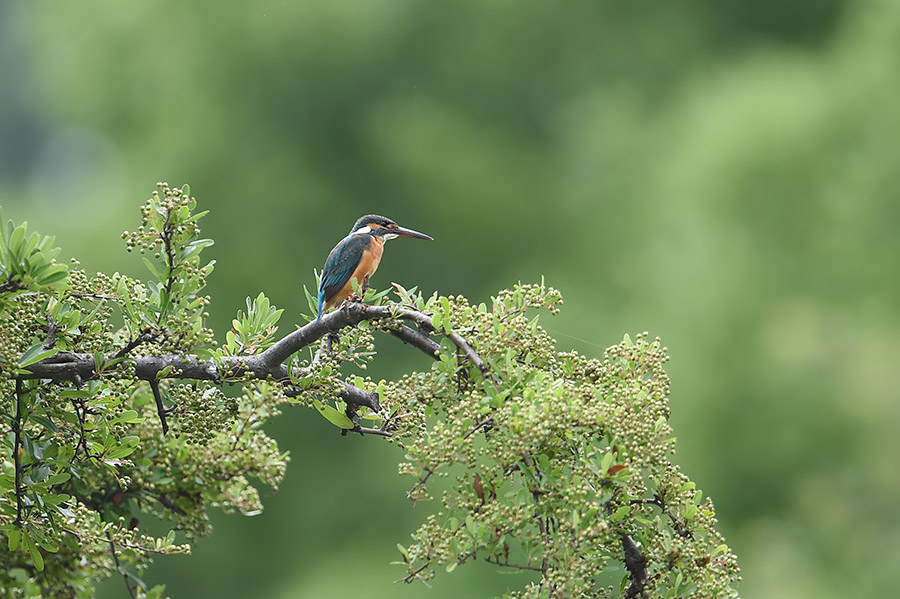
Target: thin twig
(166, 235)
(52, 330)
(160, 408)
(125, 544)
(470, 353)
(413, 575)
(17, 444)
(536, 495)
(11, 284)
(121, 570)
(421, 482)
(486, 423)
(81, 411)
(659, 502)
(497, 562)
(362, 430)
(96, 296)
(143, 337)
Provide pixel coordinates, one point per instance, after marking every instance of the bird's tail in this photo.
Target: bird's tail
(321, 303)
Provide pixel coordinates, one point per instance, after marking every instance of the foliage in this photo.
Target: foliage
(555, 458)
(725, 171)
(101, 488)
(559, 463)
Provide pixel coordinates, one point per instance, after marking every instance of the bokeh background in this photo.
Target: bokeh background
(720, 173)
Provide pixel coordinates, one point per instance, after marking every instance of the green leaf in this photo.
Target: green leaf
(53, 274)
(15, 240)
(32, 548)
(153, 270)
(403, 550)
(126, 447)
(335, 417)
(606, 461)
(14, 536)
(312, 301)
(45, 422)
(58, 478)
(35, 354)
(126, 416)
(195, 247)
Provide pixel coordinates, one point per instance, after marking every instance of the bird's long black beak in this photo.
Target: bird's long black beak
(410, 233)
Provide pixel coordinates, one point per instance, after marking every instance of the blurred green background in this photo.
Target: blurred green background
(722, 174)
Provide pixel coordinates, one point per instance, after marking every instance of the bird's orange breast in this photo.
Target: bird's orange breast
(366, 268)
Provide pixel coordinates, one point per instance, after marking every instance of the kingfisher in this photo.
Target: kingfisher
(356, 256)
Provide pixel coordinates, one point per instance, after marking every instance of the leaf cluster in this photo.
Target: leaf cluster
(547, 462)
(90, 485)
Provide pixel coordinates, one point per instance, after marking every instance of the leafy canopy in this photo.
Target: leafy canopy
(119, 439)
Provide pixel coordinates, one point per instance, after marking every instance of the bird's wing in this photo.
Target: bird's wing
(341, 263)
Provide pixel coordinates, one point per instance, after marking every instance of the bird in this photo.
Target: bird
(356, 256)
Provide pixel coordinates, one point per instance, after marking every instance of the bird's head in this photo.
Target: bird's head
(379, 226)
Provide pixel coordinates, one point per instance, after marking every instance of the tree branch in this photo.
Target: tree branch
(52, 330)
(17, 444)
(76, 368)
(659, 502)
(11, 284)
(119, 568)
(497, 562)
(417, 339)
(160, 408)
(636, 564)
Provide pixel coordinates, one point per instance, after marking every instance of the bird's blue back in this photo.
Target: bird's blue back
(339, 266)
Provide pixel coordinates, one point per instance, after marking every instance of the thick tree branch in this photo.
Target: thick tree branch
(77, 368)
(636, 564)
(417, 339)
